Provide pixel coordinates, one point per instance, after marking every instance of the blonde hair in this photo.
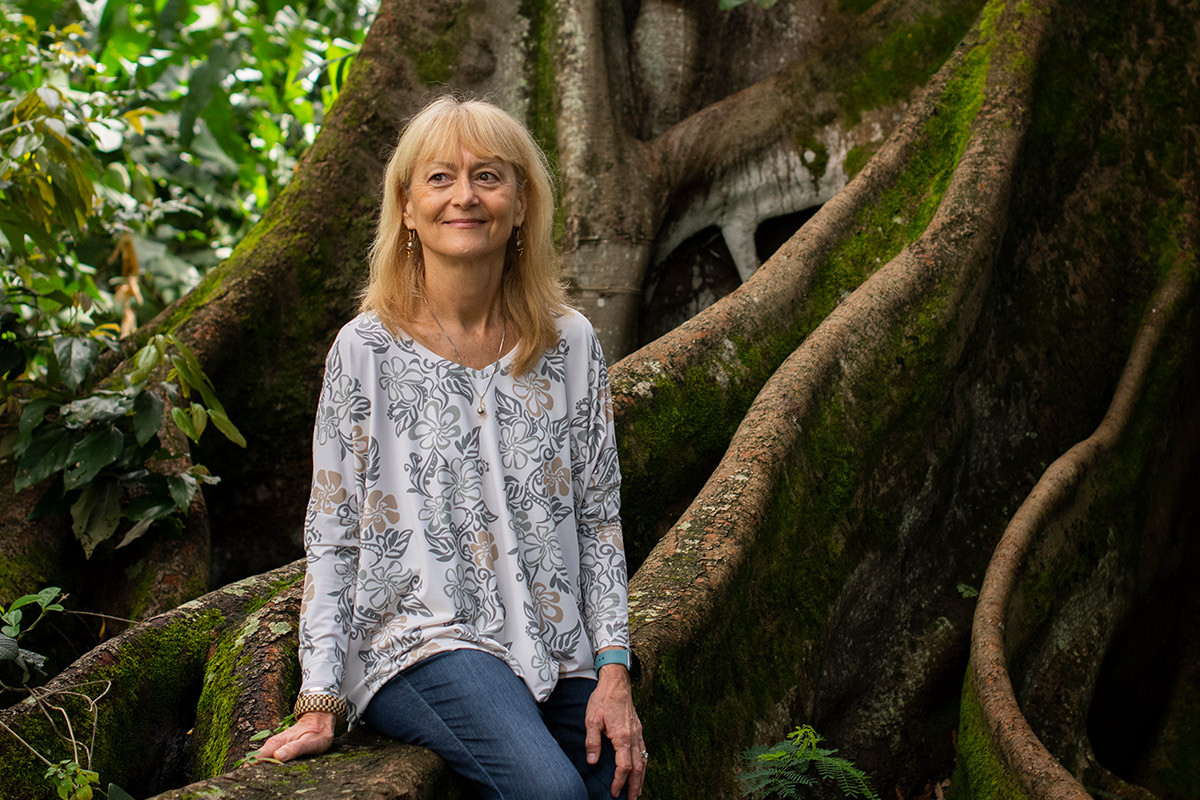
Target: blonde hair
(532, 292)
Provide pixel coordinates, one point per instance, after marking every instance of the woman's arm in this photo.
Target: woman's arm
(602, 578)
(331, 549)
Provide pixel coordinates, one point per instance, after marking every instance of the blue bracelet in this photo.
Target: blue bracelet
(615, 656)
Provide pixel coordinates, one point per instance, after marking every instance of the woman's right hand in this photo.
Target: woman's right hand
(311, 735)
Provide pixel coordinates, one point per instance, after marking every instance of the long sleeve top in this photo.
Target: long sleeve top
(430, 528)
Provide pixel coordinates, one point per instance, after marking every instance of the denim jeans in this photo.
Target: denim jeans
(473, 711)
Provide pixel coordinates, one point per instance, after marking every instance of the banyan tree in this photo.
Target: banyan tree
(898, 299)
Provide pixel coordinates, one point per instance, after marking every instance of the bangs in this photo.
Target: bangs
(458, 127)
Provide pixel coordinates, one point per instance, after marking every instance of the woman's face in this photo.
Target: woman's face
(464, 208)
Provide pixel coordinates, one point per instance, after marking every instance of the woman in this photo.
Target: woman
(466, 577)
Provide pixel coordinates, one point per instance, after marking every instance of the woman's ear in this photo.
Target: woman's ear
(409, 221)
(519, 216)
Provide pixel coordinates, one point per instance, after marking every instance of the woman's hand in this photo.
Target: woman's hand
(610, 711)
(311, 735)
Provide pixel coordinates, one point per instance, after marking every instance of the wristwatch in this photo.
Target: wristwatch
(617, 655)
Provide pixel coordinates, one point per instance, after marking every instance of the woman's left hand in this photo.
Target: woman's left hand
(610, 712)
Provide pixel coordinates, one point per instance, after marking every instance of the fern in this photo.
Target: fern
(798, 762)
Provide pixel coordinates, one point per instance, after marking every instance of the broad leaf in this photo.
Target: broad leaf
(76, 356)
(47, 454)
(183, 421)
(95, 514)
(91, 454)
(147, 416)
(104, 407)
(183, 489)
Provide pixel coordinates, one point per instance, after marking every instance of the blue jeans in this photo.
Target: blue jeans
(472, 710)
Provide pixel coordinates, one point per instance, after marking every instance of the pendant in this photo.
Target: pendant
(481, 412)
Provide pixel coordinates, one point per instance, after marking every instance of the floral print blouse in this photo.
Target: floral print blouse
(430, 528)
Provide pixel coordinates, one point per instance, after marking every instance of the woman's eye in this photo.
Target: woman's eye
(438, 177)
(488, 177)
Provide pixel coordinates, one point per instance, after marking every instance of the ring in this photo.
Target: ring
(645, 755)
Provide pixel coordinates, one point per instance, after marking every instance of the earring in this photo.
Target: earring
(411, 246)
(519, 242)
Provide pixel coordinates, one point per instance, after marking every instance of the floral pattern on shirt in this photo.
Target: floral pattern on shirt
(429, 529)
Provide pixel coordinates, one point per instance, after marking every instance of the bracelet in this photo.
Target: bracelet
(320, 702)
(618, 655)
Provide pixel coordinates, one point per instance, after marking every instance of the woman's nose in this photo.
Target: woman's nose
(464, 192)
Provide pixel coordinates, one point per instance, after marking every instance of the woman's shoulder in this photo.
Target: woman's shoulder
(573, 325)
(366, 330)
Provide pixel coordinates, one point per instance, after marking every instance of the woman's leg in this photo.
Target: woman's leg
(565, 712)
(469, 708)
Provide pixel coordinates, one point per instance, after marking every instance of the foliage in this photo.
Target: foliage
(156, 131)
(11, 630)
(72, 779)
(139, 141)
(253, 757)
(782, 770)
(104, 448)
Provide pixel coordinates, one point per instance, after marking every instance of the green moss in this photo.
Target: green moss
(258, 601)
(540, 73)
(858, 157)
(151, 680)
(435, 60)
(815, 155)
(215, 710)
(908, 58)
(28, 573)
(979, 774)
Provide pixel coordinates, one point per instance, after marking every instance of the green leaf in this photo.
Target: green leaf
(31, 416)
(22, 601)
(144, 363)
(100, 407)
(218, 417)
(183, 489)
(183, 421)
(76, 356)
(117, 793)
(150, 506)
(136, 532)
(147, 416)
(47, 454)
(91, 454)
(188, 366)
(199, 419)
(96, 514)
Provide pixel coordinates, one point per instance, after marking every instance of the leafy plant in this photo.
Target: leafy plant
(104, 448)
(72, 779)
(11, 630)
(799, 761)
(253, 756)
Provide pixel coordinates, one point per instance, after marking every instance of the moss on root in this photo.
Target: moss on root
(907, 59)
(979, 771)
(150, 682)
(703, 409)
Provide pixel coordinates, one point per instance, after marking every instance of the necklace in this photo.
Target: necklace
(480, 411)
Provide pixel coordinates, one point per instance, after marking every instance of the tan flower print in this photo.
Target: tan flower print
(327, 491)
(380, 510)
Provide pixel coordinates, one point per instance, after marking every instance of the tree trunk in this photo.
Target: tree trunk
(817, 467)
